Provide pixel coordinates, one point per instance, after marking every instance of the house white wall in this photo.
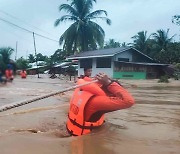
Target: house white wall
(126, 54)
(108, 71)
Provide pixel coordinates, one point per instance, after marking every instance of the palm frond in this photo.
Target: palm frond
(162, 39)
(98, 32)
(87, 7)
(78, 5)
(69, 38)
(96, 26)
(65, 18)
(96, 13)
(69, 9)
(108, 21)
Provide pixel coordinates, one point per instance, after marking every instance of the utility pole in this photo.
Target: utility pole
(35, 54)
(16, 51)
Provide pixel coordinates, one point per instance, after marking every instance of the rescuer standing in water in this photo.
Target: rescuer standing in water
(89, 104)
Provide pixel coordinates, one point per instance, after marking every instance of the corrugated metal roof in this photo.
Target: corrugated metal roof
(35, 67)
(99, 53)
(62, 64)
(65, 64)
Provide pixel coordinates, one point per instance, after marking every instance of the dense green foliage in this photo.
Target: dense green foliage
(40, 57)
(162, 39)
(31, 58)
(112, 44)
(58, 56)
(22, 63)
(141, 41)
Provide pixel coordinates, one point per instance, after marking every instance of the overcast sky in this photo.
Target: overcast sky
(128, 18)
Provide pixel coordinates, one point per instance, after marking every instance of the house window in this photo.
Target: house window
(123, 59)
(86, 63)
(103, 63)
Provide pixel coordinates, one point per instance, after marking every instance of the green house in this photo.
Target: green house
(119, 63)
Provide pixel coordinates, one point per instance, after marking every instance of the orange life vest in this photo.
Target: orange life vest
(87, 78)
(76, 124)
(90, 79)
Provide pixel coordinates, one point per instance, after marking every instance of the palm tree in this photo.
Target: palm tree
(112, 44)
(124, 44)
(176, 19)
(141, 41)
(5, 54)
(83, 34)
(162, 39)
(31, 58)
(58, 56)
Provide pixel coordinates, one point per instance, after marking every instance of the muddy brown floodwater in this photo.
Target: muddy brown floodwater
(152, 126)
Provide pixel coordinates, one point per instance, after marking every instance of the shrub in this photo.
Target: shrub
(164, 79)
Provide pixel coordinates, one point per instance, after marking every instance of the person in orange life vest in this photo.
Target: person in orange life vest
(9, 74)
(23, 74)
(87, 74)
(89, 104)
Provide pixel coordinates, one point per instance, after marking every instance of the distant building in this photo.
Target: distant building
(36, 68)
(64, 67)
(122, 62)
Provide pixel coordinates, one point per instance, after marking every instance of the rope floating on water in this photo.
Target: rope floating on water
(35, 110)
(14, 105)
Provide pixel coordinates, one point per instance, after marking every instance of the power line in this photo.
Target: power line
(23, 21)
(27, 30)
(13, 33)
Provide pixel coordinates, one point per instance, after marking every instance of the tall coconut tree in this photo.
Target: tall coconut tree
(83, 34)
(5, 54)
(162, 39)
(140, 41)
